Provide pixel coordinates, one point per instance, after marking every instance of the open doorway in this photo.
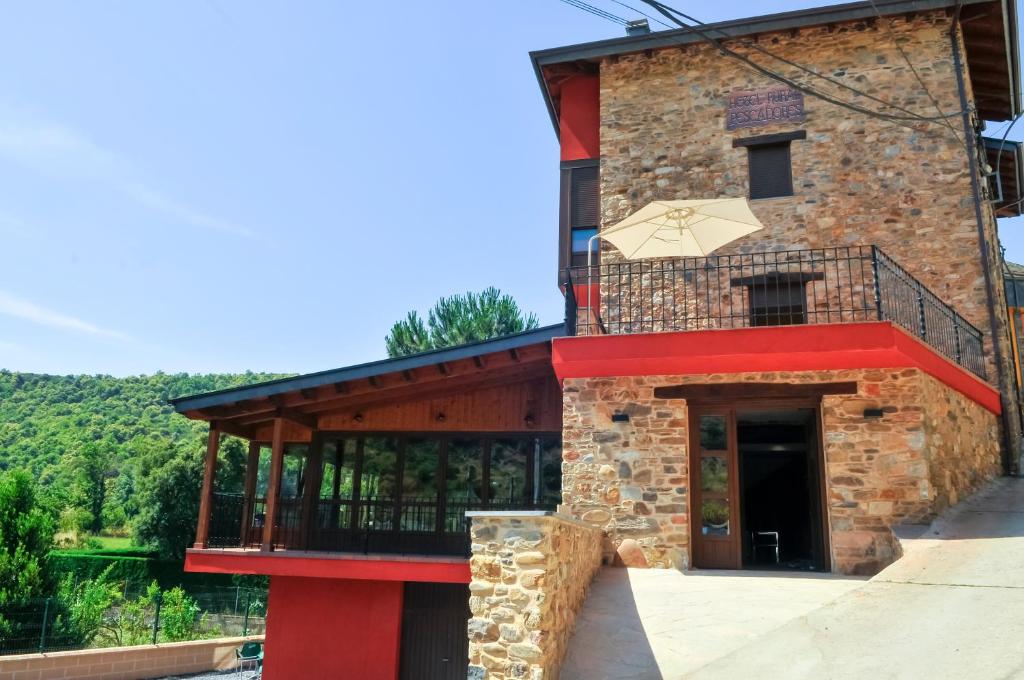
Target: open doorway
(757, 486)
(779, 489)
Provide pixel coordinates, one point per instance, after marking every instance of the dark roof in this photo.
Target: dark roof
(1007, 162)
(373, 368)
(805, 18)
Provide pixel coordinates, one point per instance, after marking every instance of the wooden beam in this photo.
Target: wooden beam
(442, 368)
(741, 390)
(479, 362)
(274, 484)
(514, 353)
(408, 376)
(341, 387)
(206, 493)
(374, 381)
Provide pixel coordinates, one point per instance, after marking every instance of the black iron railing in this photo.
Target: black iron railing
(427, 525)
(813, 286)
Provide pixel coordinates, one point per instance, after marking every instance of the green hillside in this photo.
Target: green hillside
(95, 443)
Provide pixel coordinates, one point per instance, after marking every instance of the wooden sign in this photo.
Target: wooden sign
(753, 108)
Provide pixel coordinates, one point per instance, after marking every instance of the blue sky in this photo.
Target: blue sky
(223, 185)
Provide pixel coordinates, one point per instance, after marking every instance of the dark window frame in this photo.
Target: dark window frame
(769, 175)
(565, 216)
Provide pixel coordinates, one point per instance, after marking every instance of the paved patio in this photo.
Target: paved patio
(650, 624)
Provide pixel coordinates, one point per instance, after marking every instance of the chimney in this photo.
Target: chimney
(638, 27)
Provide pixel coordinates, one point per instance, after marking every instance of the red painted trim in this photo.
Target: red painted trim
(779, 348)
(580, 118)
(327, 566)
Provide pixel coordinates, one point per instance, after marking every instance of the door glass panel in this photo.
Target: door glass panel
(464, 481)
(714, 475)
(712, 433)
(377, 482)
(419, 485)
(714, 517)
(508, 472)
(337, 484)
(550, 473)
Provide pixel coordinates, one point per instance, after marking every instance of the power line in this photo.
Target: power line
(917, 76)
(643, 14)
(596, 11)
(670, 12)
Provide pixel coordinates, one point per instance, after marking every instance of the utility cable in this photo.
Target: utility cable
(596, 11)
(898, 120)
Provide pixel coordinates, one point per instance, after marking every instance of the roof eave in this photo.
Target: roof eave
(375, 368)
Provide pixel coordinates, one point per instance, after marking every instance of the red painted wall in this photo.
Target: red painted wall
(580, 118)
(329, 565)
(320, 628)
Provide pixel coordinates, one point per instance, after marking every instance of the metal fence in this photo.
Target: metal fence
(790, 287)
(46, 625)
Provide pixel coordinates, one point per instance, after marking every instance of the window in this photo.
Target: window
(769, 164)
(580, 213)
(781, 304)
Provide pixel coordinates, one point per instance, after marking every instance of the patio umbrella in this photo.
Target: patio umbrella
(677, 229)
(681, 228)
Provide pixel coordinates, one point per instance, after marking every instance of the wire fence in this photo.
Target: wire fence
(139, 616)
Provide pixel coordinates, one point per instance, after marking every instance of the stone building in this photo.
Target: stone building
(783, 402)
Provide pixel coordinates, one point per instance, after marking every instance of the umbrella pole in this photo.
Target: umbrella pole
(590, 276)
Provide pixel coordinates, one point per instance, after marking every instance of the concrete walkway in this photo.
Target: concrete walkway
(952, 607)
(647, 624)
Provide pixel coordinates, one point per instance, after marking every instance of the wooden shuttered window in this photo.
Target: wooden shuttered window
(580, 213)
(771, 171)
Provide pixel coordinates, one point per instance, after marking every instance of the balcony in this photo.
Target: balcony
(782, 288)
(361, 509)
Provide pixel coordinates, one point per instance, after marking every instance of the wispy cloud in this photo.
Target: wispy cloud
(60, 150)
(12, 305)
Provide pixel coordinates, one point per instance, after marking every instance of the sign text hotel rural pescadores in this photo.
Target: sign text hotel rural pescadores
(753, 108)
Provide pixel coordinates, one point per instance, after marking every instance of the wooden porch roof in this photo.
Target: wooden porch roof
(302, 400)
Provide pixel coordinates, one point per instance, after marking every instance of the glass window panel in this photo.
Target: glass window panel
(293, 471)
(712, 433)
(581, 240)
(380, 456)
(550, 468)
(419, 484)
(508, 472)
(714, 517)
(464, 477)
(339, 459)
(714, 475)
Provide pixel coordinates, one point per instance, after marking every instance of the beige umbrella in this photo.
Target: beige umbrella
(681, 228)
(677, 229)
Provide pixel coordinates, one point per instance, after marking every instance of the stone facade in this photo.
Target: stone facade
(856, 179)
(530, 575)
(631, 479)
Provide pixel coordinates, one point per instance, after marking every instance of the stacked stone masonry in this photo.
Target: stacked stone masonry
(931, 447)
(856, 179)
(530, 576)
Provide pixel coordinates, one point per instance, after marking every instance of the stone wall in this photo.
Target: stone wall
(631, 479)
(127, 663)
(530, 573)
(856, 179)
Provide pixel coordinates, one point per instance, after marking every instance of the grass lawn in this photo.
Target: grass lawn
(114, 542)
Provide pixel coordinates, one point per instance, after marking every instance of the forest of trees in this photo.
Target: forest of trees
(110, 455)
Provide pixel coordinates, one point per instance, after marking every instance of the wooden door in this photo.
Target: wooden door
(714, 507)
(434, 641)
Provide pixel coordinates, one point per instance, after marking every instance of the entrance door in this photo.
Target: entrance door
(715, 504)
(434, 642)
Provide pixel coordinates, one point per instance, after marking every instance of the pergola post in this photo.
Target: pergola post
(252, 468)
(206, 494)
(311, 488)
(274, 484)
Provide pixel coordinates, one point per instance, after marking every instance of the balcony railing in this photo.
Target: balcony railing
(425, 526)
(814, 286)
